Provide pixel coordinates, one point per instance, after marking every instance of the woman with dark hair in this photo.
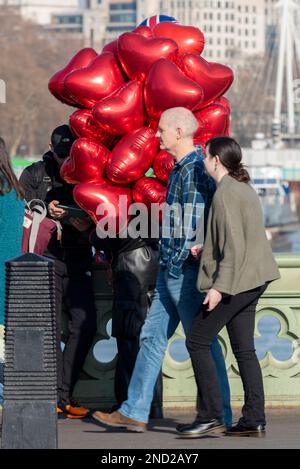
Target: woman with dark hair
(236, 266)
(11, 221)
(11, 217)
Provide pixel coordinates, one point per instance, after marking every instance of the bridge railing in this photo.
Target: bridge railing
(278, 339)
(280, 306)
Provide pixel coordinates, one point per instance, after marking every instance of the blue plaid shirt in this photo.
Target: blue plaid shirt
(192, 191)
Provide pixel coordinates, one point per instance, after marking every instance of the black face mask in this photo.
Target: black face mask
(63, 152)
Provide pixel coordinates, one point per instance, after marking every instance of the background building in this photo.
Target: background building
(146, 8)
(233, 28)
(105, 20)
(42, 11)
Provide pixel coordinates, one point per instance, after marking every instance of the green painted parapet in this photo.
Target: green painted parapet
(281, 378)
(281, 302)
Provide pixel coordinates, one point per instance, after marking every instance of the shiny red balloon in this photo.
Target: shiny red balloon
(143, 31)
(213, 122)
(83, 125)
(100, 79)
(132, 156)
(166, 87)
(111, 47)
(225, 103)
(138, 53)
(215, 79)
(149, 190)
(91, 196)
(86, 162)
(56, 83)
(123, 111)
(190, 40)
(153, 124)
(162, 165)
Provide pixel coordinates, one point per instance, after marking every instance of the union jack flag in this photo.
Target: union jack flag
(152, 21)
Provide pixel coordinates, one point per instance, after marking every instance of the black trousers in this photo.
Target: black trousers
(238, 314)
(134, 277)
(74, 292)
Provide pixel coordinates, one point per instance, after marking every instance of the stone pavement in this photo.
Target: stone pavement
(283, 433)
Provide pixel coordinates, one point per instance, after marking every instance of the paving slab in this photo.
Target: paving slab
(283, 432)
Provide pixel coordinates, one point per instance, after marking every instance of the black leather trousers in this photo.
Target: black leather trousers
(134, 277)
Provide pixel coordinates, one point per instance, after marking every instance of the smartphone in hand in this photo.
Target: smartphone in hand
(73, 211)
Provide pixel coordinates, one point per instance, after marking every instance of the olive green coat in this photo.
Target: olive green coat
(237, 256)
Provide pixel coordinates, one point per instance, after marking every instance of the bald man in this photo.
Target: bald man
(176, 298)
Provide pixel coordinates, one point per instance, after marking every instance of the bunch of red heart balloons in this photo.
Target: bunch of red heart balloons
(121, 94)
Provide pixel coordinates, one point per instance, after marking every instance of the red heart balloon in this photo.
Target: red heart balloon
(100, 79)
(225, 103)
(111, 47)
(86, 162)
(91, 197)
(149, 190)
(123, 111)
(190, 40)
(166, 87)
(56, 83)
(132, 156)
(162, 165)
(215, 79)
(152, 123)
(83, 125)
(213, 122)
(143, 31)
(137, 53)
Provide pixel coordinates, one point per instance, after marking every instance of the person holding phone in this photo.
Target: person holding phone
(73, 258)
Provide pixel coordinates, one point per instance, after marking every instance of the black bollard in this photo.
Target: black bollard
(30, 395)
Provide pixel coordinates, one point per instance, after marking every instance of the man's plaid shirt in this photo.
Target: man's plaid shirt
(190, 188)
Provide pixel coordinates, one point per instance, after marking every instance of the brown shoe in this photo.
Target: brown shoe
(72, 410)
(116, 419)
(75, 411)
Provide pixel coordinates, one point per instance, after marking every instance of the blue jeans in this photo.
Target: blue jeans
(174, 300)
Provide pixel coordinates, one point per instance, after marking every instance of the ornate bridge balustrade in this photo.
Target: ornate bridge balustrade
(277, 343)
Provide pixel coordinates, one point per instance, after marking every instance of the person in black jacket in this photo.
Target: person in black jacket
(134, 265)
(73, 257)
